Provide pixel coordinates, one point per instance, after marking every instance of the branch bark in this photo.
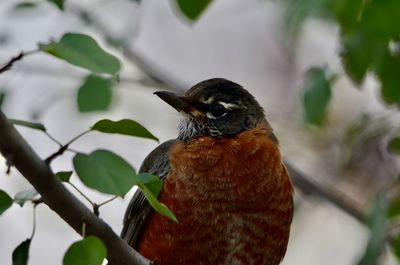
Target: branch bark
(17, 151)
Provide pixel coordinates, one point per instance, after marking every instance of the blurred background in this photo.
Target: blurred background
(336, 130)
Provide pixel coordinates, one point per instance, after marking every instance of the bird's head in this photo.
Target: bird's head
(215, 107)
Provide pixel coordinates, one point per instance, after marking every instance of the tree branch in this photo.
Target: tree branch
(309, 187)
(16, 150)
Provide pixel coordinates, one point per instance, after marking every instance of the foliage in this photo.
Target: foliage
(316, 96)
(125, 127)
(83, 51)
(369, 37)
(5, 201)
(94, 94)
(20, 255)
(88, 251)
(192, 9)
(101, 170)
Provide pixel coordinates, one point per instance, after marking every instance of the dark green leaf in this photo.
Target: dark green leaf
(158, 206)
(396, 247)
(317, 94)
(126, 127)
(25, 5)
(377, 226)
(58, 3)
(2, 98)
(347, 13)
(83, 51)
(24, 196)
(88, 251)
(20, 255)
(393, 209)
(192, 9)
(5, 201)
(298, 11)
(105, 171)
(388, 74)
(394, 145)
(64, 176)
(153, 183)
(32, 125)
(381, 19)
(95, 94)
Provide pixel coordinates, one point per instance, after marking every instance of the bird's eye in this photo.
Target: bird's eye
(217, 110)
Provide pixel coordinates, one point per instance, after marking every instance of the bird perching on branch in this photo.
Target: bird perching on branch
(223, 179)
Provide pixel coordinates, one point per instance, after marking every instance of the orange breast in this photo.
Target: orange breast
(233, 201)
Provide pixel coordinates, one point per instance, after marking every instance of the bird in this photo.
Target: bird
(223, 178)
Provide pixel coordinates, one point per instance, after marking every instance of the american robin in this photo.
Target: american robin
(223, 179)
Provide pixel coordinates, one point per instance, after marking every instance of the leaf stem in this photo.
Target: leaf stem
(53, 139)
(78, 136)
(107, 201)
(34, 221)
(82, 194)
(83, 229)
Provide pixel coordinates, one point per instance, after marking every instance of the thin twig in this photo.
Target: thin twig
(64, 147)
(14, 59)
(10, 63)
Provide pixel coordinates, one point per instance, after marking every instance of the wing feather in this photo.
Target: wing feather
(138, 211)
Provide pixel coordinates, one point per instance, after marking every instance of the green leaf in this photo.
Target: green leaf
(24, 196)
(25, 6)
(316, 96)
(192, 9)
(393, 209)
(377, 226)
(95, 94)
(153, 183)
(125, 127)
(381, 19)
(298, 11)
(388, 74)
(58, 3)
(105, 171)
(64, 176)
(5, 201)
(20, 255)
(32, 125)
(83, 51)
(88, 251)
(347, 13)
(394, 145)
(396, 247)
(158, 206)
(2, 98)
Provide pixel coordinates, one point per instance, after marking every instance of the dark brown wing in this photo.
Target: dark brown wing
(156, 163)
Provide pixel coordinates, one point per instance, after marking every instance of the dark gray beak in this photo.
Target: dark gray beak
(178, 102)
